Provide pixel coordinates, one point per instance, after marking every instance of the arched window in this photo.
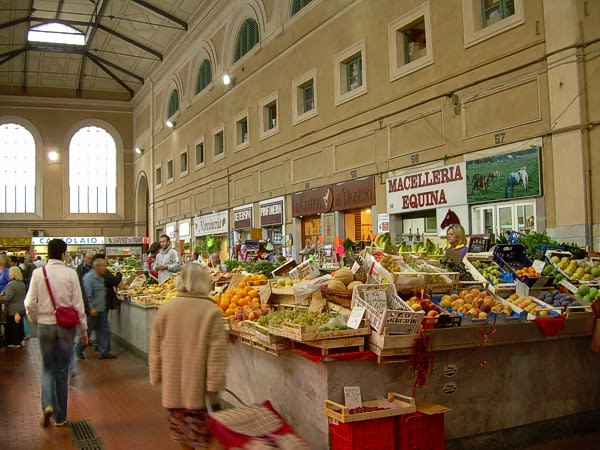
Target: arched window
(17, 169)
(173, 103)
(297, 5)
(247, 38)
(93, 171)
(204, 76)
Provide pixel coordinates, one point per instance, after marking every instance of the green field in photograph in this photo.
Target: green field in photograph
(498, 188)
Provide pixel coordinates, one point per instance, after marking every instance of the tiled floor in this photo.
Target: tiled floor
(115, 396)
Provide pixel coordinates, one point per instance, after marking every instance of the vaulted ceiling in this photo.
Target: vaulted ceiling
(125, 41)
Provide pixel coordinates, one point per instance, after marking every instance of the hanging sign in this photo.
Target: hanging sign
(184, 228)
(216, 223)
(243, 217)
(429, 189)
(82, 240)
(271, 212)
(123, 240)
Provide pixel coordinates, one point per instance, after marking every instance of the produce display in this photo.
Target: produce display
(490, 270)
(587, 294)
(558, 299)
(128, 266)
(153, 294)
(299, 316)
(390, 264)
(243, 301)
(528, 272)
(578, 270)
(345, 280)
(427, 247)
(529, 304)
(424, 304)
(474, 302)
(286, 283)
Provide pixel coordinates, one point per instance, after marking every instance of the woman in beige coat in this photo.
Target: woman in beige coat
(188, 355)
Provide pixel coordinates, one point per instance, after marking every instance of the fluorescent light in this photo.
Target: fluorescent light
(53, 156)
(170, 123)
(226, 80)
(138, 150)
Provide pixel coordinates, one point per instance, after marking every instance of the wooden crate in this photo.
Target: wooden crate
(301, 333)
(400, 404)
(254, 342)
(328, 344)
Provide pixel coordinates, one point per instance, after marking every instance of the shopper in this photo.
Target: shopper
(111, 281)
(457, 243)
(151, 274)
(39, 262)
(188, 368)
(82, 269)
(56, 343)
(4, 268)
(27, 268)
(95, 293)
(14, 296)
(167, 259)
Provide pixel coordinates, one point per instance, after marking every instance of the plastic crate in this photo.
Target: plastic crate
(395, 316)
(374, 434)
(419, 431)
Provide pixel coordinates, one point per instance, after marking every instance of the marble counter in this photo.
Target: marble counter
(132, 323)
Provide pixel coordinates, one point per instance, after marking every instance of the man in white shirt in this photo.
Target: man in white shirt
(39, 262)
(56, 342)
(167, 259)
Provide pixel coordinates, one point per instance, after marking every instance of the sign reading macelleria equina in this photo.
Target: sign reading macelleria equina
(507, 175)
(427, 189)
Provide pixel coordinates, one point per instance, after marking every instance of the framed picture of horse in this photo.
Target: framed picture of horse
(505, 176)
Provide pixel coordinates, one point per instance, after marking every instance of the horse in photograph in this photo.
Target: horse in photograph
(514, 179)
(480, 182)
(493, 176)
(450, 219)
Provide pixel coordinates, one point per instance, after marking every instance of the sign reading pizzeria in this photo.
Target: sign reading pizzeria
(243, 217)
(215, 223)
(429, 189)
(271, 212)
(356, 194)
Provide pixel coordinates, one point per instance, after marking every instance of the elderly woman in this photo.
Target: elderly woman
(188, 355)
(14, 297)
(457, 243)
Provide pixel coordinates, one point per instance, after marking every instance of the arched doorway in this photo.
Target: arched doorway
(142, 200)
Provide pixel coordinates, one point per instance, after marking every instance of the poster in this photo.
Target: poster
(506, 175)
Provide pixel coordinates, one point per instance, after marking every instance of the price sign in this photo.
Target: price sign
(539, 265)
(352, 397)
(570, 286)
(356, 316)
(355, 267)
(265, 294)
(376, 298)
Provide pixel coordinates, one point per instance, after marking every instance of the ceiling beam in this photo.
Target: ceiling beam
(5, 57)
(12, 23)
(110, 74)
(96, 16)
(106, 30)
(182, 23)
(25, 57)
(115, 66)
(59, 8)
(80, 78)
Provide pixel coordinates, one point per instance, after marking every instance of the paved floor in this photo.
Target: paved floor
(117, 399)
(115, 396)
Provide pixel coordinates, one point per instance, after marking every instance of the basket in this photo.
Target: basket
(421, 431)
(398, 404)
(391, 314)
(342, 298)
(374, 434)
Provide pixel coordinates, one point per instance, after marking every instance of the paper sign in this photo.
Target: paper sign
(539, 265)
(355, 267)
(376, 298)
(570, 286)
(356, 316)
(352, 397)
(137, 282)
(317, 303)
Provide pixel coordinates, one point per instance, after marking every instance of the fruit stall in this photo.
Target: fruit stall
(405, 322)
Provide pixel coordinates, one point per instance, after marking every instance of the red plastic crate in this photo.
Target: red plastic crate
(374, 434)
(419, 431)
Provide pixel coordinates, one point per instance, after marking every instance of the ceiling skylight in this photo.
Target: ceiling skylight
(56, 33)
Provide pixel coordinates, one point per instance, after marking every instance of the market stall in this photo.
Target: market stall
(405, 324)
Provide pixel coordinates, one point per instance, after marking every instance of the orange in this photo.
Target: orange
(242, 284)
(253, 293)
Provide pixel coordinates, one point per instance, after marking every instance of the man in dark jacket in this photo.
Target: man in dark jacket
(81, 270)
(111, 282)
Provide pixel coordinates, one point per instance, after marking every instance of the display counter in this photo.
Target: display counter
(495, 379)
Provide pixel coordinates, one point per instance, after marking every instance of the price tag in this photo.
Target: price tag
(570, 286)
(539, 265)
(376, 298)
(356, 316)
(355, 267)
(352, 397)
(265, 294)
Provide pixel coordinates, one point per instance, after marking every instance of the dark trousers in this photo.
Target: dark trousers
(14, 331)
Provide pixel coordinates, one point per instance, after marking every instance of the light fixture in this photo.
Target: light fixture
(170, 123)
(368, 210)
(227, 79)
(53, 156)
(139, 151)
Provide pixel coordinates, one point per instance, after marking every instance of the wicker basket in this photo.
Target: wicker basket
(396, 316)
(342, 298)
